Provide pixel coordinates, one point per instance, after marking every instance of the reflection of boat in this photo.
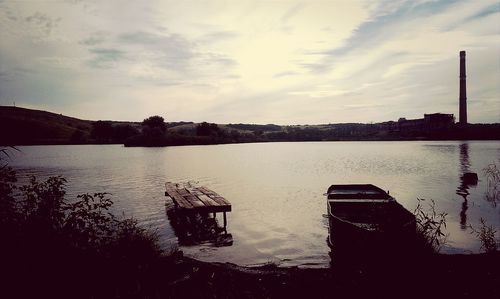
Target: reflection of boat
(366, 215)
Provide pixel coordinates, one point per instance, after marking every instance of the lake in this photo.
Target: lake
(276, 189)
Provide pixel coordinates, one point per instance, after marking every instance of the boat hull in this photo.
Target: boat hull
(365, 218)
(348, 237)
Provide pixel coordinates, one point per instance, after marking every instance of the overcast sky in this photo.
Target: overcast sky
(283, 62)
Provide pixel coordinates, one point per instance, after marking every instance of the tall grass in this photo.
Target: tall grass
(431, 225)
(492, 174)
(487, 235)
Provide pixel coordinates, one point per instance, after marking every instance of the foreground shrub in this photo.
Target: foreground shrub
(59, 248)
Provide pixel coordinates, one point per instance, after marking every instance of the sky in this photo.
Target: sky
(282, 62)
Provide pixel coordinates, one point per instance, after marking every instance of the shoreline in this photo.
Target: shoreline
(252, 142)
(178, 276)
(458, 276)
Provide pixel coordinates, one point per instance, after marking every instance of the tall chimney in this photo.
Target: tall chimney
(463, 91)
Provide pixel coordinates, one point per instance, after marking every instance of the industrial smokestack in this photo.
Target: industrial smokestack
(463, 91)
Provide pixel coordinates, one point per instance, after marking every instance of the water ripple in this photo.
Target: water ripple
(276, 189)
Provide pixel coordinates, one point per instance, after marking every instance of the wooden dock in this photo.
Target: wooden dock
(190, 199)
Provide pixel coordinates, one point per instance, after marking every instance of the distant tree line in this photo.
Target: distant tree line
(106, 132)
(252, 127)
(156, 133)
(25, 126)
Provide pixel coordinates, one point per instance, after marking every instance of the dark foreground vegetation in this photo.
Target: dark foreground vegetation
(21, 126)
(55, 247)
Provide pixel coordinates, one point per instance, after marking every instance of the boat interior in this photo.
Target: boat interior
(356, 191)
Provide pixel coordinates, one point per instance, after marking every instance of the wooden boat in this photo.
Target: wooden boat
(365, 215)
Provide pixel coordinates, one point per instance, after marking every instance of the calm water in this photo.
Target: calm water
(276, 189)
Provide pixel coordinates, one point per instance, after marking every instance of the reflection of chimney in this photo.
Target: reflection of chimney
(463, 92)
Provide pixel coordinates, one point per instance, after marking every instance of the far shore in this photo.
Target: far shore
(35, 127)
(222, 143)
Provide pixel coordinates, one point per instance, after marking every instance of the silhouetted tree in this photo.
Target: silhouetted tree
(206, 129)
(155, 122)
(122, 132)
(102, 131)
(153, 130)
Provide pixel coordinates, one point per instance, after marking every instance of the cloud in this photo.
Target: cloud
(359, 106)
(483, 12)
(294, 10)
(489, 10)
(95, 39)
(285, 62)
(175, 53)
(105, 58)
(217, 59)
(386, 22)
(218, 36)
(9, 13)
(284, 74)
(44, 23)
(170, 51)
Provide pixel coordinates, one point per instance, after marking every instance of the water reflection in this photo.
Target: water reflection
(277, 187)
(196, 229)
(467, 180)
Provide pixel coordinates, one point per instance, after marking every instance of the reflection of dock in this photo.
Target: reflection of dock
(193, 200)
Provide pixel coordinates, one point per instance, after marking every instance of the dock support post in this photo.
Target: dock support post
(214, 215)
(225, 221)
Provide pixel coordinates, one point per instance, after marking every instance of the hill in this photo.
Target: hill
(21, 126)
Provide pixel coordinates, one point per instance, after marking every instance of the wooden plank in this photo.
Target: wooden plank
(224, 205)
(195, 201)
(183, 203)
(176, 194)
(207, 191)
(183, 191)
(169, 185)
(194, 191)
(207, 200)
(170, 190)
(216, 197)
(221, 200)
